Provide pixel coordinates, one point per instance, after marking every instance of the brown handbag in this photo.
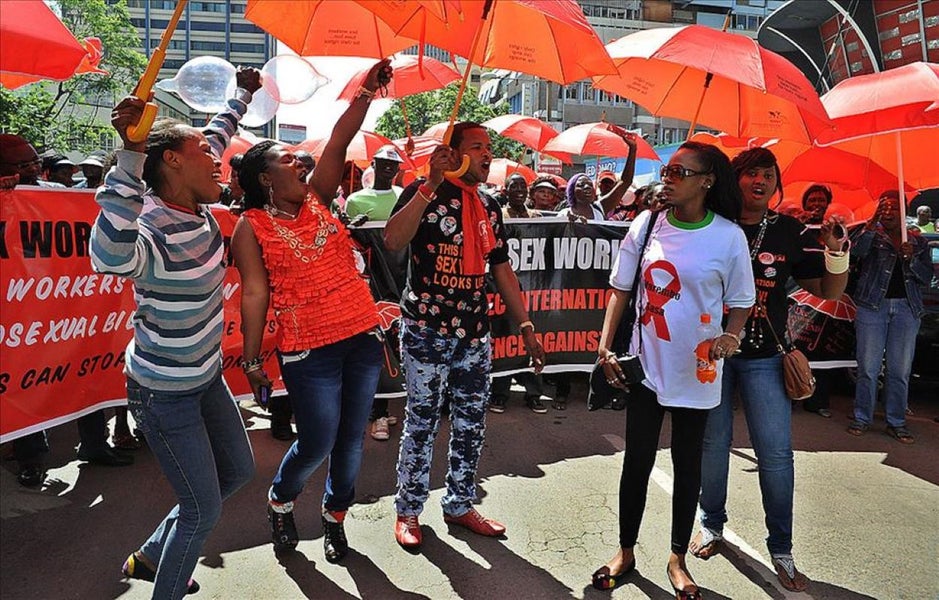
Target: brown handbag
(797, 374)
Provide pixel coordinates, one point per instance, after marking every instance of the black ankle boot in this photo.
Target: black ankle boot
(283, 530)
(335, 545)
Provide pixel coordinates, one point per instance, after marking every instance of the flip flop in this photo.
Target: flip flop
(705, 543)
(788, 575)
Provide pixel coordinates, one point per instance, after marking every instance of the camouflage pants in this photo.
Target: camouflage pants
(441, 369)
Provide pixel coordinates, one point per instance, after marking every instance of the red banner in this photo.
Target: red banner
(63, 327)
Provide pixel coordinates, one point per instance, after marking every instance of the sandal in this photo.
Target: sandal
(135, 568)
(706, 543)
(857, 428)
(788, 575)
(125, 441)
(604, 580)
(901, 434)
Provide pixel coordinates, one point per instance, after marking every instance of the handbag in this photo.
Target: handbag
(797, 374)
(601, 392)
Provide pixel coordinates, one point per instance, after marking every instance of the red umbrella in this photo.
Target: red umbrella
(35, 43)
(503, 168)
(843, 308)
(93, 55)
(436, 131)
(594, 139)
(723, 80)
(423, 148)
(409, 78)
(892, 118)
(530, 131)
(327, 28)
(363, 146)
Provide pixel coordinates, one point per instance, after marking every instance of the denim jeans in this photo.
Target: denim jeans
(889, 330)
(769, 419)
(199, 440)
(331, 390)
(437, 367)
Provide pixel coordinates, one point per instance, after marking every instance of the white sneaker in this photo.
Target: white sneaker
(379, 429)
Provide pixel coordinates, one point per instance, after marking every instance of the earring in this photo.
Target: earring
(270, 194)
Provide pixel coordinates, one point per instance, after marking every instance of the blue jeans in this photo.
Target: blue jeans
(199, 439)
(769, 419)
(439, 367)
(331, 390)
(889, 330)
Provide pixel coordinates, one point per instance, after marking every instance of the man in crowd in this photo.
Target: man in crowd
(455, 231)
(924, 220)
(376, 203)
(93, 170)
(606, 181)
(20, 165)
(57, 168)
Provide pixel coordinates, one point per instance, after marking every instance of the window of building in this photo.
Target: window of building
(910, 15)
(572, 92)
(887, 34)
(910, 39)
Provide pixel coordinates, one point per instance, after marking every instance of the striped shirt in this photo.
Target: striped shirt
(176, 260)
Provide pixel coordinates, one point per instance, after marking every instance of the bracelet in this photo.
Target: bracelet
(428, 194)
(255, 364)
(525, 324)
(364, 91)
(732, 336)
(836, 262)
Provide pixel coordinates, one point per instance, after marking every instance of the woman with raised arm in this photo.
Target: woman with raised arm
(294, 255)
(155, 229)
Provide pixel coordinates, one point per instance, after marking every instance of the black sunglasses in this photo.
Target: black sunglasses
(678, 172)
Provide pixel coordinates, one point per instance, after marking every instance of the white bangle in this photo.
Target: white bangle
(732, 336)
(525, 324)
(836, 262)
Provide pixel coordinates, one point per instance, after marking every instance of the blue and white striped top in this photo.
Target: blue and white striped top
(176, 260)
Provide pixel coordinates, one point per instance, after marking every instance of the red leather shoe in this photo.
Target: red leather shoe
(408, 531)
(476, 523)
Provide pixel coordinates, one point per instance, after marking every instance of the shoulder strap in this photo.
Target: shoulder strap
(632, 307)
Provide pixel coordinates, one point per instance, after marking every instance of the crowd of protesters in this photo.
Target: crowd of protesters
(710, 224)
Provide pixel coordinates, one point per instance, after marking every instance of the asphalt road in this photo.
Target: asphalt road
(866, 523)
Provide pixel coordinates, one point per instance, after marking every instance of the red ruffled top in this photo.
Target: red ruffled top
(318, 295)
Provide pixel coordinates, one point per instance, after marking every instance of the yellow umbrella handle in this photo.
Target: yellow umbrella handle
(139, 131)
(465, 165)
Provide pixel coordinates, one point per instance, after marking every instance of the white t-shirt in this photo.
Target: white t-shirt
(688, 269)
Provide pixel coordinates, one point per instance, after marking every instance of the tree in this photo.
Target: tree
(64, 115)
(430, 108)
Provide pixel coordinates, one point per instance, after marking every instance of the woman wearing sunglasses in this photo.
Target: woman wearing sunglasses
(756, 373)
(695, 263)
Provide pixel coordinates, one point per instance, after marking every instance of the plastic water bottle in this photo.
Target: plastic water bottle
(706, 369)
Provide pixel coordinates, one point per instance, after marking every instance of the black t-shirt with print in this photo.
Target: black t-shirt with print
(783, 252)
(437, 294)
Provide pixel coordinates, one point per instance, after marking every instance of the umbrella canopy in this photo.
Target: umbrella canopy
(723, 80)
(35, 43)
(423, 149)
(94, 52)
(436, 131)
(503, 168)
(552, 40)
(326, 28)
(831, 166)
(361, 149)
(842, 309)
(410, 77)
(530, 131)
(594, 139)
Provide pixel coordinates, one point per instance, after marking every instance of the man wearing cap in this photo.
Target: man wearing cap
(59, 169)
(93, 170)
(376, 203)
(606, 180)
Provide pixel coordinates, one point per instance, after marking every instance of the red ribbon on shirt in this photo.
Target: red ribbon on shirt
(657, 297)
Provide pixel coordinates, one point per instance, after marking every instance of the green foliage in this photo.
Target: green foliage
(428, 109)
(65, 115)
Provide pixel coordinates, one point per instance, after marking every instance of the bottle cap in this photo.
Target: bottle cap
(705, 318)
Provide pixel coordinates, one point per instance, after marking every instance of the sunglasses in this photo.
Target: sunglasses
(678, 172)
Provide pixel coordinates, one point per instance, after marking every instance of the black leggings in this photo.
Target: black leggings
(643, 424)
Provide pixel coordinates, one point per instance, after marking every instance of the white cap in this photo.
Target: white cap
(388, 152)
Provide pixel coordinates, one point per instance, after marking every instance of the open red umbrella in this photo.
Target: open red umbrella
(530, 131)
(423, 149)
(327, 28)
(409, 78)
(723, 80)
(892, 118)
(35, 43)
(436, 131)
(94, 52)
(594, 139)
(361, 149)
(503, 168)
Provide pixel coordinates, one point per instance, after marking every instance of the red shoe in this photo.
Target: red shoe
(408, 531)
(476, 523)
